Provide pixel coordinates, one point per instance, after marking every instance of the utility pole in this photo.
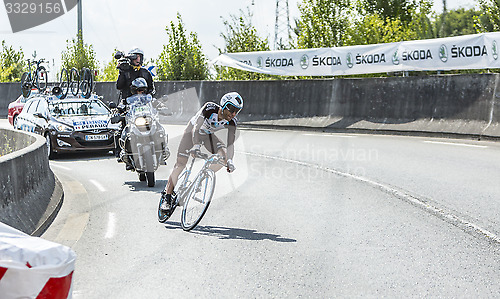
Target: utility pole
(80, 27)
(282, 31)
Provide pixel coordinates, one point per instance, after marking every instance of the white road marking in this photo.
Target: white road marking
(456, 144)
(98, 185)
(59, 166)
(73, 227)
(401, 194)
(110, 232)
(328, 135)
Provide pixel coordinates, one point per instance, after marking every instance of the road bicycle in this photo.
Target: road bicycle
(34, 79)
(83, 81)
(194, 196)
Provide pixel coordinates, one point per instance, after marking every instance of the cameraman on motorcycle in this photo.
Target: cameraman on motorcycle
(130, 68)
(139, 86)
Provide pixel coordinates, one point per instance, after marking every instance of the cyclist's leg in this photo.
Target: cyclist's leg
(182, 158)
(174, 175)
(216, 146)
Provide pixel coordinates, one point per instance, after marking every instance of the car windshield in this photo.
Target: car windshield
(78, 108)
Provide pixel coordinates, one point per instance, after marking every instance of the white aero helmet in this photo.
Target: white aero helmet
(232, 101)
(136, 51)
(138, 84)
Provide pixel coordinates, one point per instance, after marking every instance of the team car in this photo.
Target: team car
(16, 107)
(70, 124)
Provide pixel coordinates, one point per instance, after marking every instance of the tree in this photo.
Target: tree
(11, 64)
(182, 58)
(241, 36)
(456, 22)
(489, 21)
(391, 9)
(323, 23)
(110, 72)
(79, 55)
(372, 27)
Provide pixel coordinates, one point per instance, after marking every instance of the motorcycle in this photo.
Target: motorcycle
(143, 141)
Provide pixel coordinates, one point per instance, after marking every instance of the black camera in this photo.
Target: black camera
(123, 61)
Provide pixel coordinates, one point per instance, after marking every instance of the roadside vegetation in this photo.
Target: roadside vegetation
(321, 23)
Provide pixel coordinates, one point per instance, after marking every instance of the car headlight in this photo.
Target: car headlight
(63, 128)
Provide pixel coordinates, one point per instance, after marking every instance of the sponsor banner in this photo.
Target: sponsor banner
(82, 125)
(478, 51)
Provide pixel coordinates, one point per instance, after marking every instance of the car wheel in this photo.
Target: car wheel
(50, 152)
(14, 121)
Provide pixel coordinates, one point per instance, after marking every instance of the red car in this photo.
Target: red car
(17, 106)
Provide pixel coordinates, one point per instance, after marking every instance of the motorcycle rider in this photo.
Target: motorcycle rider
(138, 86)
(200, 129)
(130, 68)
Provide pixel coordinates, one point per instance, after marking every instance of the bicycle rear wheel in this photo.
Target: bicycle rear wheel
(86, 83)
(163, 215)
(26, 84)
(64, 83)
(198, 200)
(75, 81)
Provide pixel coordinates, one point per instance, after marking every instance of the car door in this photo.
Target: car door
(24, 120)
(41, 117)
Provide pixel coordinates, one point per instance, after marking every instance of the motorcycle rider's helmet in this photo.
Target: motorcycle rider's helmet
(232, 101)
(139, 84)
(132, 54)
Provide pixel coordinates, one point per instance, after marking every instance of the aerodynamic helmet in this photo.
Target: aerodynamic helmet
(232, 101)
(139, 84)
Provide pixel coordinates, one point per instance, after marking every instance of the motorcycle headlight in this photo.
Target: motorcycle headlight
(142, 121)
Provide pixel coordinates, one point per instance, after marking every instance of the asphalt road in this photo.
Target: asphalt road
(305, 215)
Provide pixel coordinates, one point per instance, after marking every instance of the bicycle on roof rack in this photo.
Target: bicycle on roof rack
(34, 79)
(77, 82)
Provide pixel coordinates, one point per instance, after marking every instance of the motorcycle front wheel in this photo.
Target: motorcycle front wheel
(150, 178)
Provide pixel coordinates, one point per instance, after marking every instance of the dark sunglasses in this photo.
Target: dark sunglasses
(232, 108)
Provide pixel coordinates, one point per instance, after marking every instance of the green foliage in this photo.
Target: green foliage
(241, 36)
(11, 64)
(456, 22)
(182, 58)
(79, 55)
(110, 72)
(391, 9)
(381, 24)
(489, 21)
(323, 23)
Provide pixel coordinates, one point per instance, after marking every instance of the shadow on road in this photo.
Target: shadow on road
(232, 233)
(143, 186)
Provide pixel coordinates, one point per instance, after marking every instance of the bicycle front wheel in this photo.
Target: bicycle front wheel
(198, 200)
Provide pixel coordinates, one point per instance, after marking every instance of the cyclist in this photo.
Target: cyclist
(130, 68)
(200, 130)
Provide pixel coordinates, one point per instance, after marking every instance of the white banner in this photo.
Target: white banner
(478, 51)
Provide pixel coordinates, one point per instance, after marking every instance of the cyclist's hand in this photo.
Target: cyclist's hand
(230, 166)
(195, 150)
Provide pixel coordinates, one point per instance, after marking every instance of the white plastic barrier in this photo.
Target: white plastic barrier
(32, 267)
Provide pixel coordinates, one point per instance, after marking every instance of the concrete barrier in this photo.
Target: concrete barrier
(30, 194)
(444, 104)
